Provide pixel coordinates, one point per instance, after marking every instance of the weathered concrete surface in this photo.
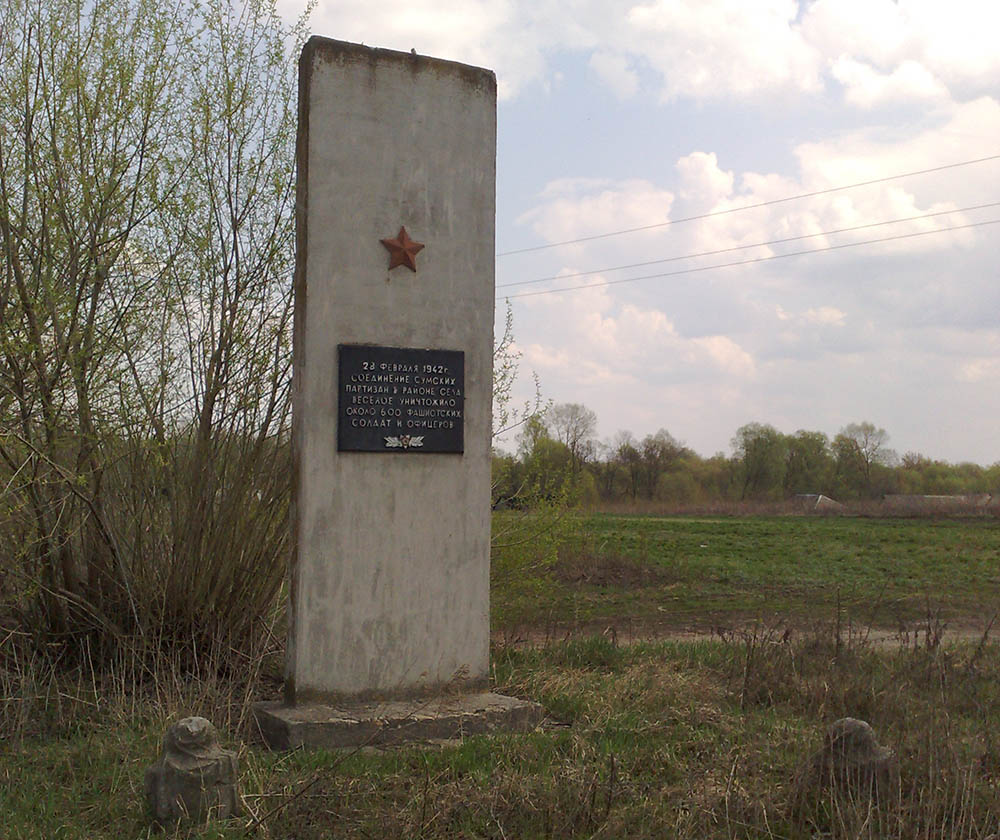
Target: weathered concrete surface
(390, 572)
(195, 778)
(359, 723)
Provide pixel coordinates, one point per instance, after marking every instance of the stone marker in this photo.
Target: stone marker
(195, 778)
(851, 764)
(394, 298)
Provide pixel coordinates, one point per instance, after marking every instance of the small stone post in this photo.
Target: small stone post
(851, 766)
(195, 778)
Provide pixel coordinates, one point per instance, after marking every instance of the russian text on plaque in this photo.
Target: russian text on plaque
(400, 399)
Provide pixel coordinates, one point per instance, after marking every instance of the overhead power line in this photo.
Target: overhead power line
(747, 206)
(750, 261)
(747, 247)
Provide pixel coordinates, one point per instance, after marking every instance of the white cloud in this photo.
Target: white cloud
(980, 370)
(874, 30)
(959, 39)
(962, 134)
(726, 354)
(825, 315)
(572, 368)
(723, 48)
(705, 49)
(808, 342)
(952, 43)
(591, 334)
(865, 87)
(578, 208)
(507, 36)
(773, 305)
(570, 187)
(614, 70)
(701, 181)
(869, 87)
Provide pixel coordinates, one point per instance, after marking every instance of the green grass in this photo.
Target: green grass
(705, 738)
(721, 572)
(670, 739)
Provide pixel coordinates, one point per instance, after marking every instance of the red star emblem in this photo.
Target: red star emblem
(402, 250)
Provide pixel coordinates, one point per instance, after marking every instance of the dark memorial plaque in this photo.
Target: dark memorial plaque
(400, 399)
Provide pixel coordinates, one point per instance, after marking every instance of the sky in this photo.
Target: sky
(614, 116)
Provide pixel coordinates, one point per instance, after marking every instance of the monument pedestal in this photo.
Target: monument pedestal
(380, 723)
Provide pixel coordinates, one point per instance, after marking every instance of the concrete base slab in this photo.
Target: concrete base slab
(392, 722)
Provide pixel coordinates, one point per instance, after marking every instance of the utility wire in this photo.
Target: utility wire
(750, 261)
(746, 247)
(747, 206)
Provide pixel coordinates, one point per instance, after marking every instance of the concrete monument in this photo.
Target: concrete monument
(394, 302)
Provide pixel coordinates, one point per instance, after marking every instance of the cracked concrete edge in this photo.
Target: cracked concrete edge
(391, 723)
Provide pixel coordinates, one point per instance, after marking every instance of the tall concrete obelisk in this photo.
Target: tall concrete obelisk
(394, 297)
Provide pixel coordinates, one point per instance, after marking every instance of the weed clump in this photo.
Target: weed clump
(583, 566)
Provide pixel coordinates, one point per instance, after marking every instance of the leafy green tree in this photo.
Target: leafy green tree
(809, 464)
(549, 470)
(533, 429)
(605, 470)
(972, 478)
(862, 454)
(680, 486)
(542, 471)
(574, 425)
(628, 458)
(918, 474)
(991, 479)
(717, 477)
(760, 452)
(658, 454)
(507, 481)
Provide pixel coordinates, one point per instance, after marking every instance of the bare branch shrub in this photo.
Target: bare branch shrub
(146, 248)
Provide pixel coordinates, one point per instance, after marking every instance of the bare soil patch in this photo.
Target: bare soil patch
(584, 567)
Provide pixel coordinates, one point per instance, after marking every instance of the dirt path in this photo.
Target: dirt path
(924, 633)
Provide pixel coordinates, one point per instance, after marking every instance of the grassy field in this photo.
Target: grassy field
(645, 575)
(704, 738)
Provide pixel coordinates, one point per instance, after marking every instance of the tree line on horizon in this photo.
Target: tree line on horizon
(559, 456)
